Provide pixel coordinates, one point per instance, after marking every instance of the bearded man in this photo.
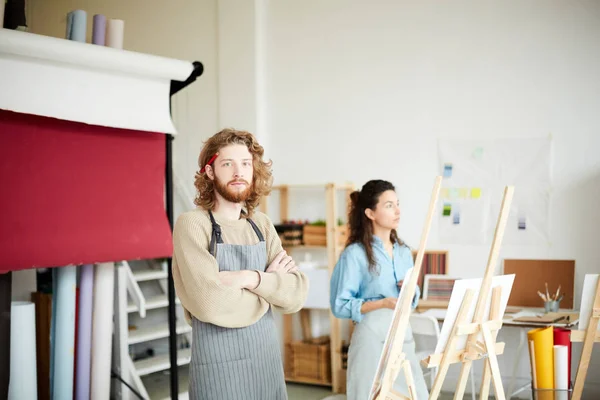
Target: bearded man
(230, 272)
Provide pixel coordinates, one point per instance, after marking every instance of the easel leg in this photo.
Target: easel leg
(445, 363)
(410, 382)
(484, 392)
(487, 373)
(588, 344)
(462, 380)
(493, 362)
(388, 386)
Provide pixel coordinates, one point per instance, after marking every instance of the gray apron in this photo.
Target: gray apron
(365, 350)
(237, 363)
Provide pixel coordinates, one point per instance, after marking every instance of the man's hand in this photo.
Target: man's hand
(247, 279)
(282, 263)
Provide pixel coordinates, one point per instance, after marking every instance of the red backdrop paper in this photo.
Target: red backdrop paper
(73, 193)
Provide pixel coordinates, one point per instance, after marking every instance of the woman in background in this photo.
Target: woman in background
(365, 286)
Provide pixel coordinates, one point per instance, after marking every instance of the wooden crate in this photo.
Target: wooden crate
(317, 235)
(310, 360)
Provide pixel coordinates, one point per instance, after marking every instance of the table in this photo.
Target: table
(510, 315)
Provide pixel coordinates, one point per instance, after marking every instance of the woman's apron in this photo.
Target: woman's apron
(365, 350)
(237, 363)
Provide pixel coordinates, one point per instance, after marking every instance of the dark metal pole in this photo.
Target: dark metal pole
(176, 86)
(171, 287)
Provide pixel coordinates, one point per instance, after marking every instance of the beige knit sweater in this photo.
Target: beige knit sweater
(196, 273)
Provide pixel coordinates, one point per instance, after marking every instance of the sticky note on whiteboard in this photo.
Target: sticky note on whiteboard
(447, 210)
(475, 193)
(447, 170)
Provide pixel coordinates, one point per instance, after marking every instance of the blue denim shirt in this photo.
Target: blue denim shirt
(352, 283)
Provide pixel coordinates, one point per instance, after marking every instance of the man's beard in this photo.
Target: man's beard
(230, 195)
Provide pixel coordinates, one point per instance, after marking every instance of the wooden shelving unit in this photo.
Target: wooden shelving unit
(334, 249)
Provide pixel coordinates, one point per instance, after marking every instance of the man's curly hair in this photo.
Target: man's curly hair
(262, 179)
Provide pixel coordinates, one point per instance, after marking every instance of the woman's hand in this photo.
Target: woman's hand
(282, 263)
(389, 302)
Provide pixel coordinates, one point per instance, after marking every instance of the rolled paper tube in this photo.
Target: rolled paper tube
(561, 367)
(84, 333)
(563, 337)
(23, 372)
(104, 280)
(99, 30)
(64, 332)
(544, 356)
(77, 25)
(115, 29)
(532, 362)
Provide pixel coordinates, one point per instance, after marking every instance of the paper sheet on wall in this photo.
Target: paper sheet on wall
(587, 300)
(456, 298)
(475, 174)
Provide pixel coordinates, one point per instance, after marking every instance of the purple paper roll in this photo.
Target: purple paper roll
(84, 333)
(99, 30)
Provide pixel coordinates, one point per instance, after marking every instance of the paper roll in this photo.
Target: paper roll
(99, 30)
(5, 306)
(104, 280)
(563, 337)
(23, 372)
(532, 362)
(544, 356)
(63, 347)
(561, 395)
(561, 367)
(77, 25)
(115, 29)
(84, 333)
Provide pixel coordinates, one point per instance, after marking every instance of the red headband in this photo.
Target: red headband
(209, 162)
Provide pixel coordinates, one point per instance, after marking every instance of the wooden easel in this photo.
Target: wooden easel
(588, 337)
(393, 359)
(475, 350)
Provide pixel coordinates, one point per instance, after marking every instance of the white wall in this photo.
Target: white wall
(360, 90)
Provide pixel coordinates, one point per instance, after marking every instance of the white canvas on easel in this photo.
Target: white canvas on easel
(458, 293)
(587, 300)
(383, 359)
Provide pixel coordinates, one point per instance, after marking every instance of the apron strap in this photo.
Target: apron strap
(261, 238)
(216, 235)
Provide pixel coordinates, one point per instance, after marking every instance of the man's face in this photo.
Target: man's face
(232, 172)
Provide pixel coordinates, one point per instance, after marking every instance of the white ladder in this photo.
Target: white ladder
(127, 282)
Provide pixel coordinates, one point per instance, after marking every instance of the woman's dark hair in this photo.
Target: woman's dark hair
(361, 227)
